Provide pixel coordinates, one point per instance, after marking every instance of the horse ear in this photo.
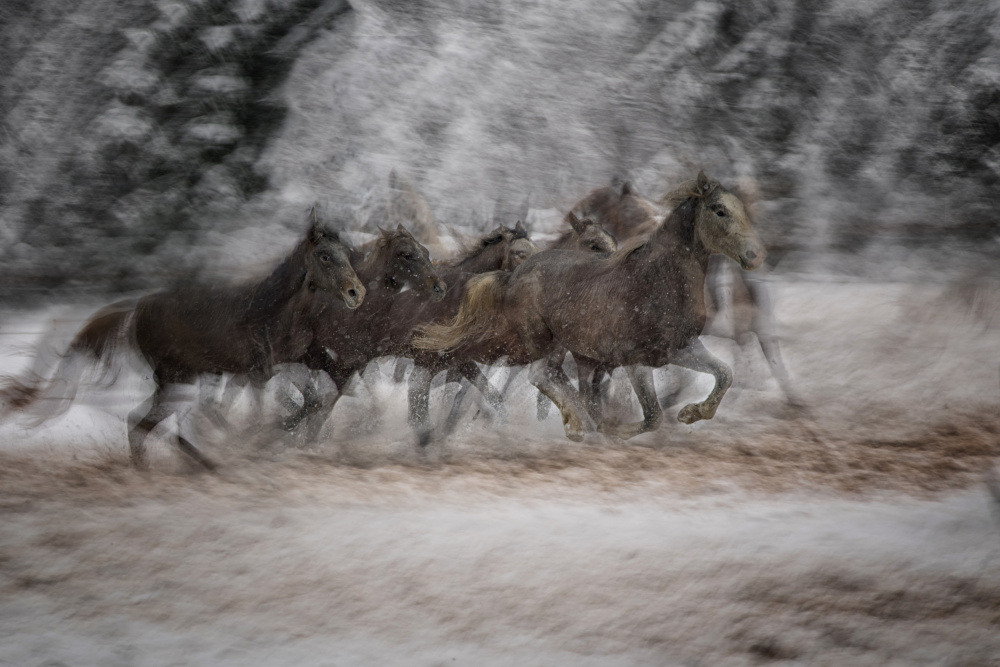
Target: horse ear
(703, 182)
(627, 188)
(575, 222)
(316, 229)
(519, 228)
(403, 230)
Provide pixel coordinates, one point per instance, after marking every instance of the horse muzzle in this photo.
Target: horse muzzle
(752, 257)
(353, 295)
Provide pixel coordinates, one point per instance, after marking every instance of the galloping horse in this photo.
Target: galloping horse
(585, 234)
(396, 262)
(731, 291)
(195, 329)
(504, 249)
(641, 307)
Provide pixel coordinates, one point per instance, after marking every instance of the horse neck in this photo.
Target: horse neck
(280, 288)
(373, 270)
(672, 249)
(677, 233)
(489, 258)
(568, 240)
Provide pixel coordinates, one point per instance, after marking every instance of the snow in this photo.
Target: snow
(860, 535)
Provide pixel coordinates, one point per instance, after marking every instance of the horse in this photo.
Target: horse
(730, 291)
(585, 234)
(344, 341)
(206, 329)
(504, 249)
(641, 307)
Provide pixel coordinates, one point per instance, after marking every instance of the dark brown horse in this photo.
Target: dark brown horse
(641, 307)
(195, 329)
(344, 341)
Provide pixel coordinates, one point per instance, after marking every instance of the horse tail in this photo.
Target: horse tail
(43, 395)
(479, 315)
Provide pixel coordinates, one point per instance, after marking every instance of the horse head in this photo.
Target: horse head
(590, 235)
(519, 246)
(723, 223)
(501, 249)
(328, 265)
(407, 263)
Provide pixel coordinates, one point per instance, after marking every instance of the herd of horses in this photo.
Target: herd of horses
(623, 287)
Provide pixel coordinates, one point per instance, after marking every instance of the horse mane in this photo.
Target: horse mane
(629, 247)
(563, 239)
(682, 195)
(475, 248)
(377, 257)
(479, 246)
(744, 191)
(267, 292)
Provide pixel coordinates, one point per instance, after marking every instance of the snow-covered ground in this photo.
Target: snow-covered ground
(859, 533)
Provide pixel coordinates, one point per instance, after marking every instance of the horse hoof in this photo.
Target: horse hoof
(689, 414)
(575, 436)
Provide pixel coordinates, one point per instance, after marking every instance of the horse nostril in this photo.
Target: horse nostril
(353, 293)
(751, 255)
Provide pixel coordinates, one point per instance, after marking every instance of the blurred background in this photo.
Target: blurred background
(145, 141)
(142, 140)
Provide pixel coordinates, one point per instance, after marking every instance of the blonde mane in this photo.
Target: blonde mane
(680, 194)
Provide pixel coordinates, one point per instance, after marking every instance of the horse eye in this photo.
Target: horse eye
(408, 257)
(720, 212)
(594, 247)
(325, 258)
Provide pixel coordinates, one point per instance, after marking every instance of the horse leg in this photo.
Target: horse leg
(696, 357)
(675, 386)
(456, 407)
(450, 394)
(542, 405)
(315, 359)
(145, 419)
(475, 375)
(209, 386)
(589, 376)
(764, 326)
(142, 420)
(324, 401)
(399, 372)
(549, 378)
(512, 373)
(641, 378)
(418, 391)
(234, 387)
